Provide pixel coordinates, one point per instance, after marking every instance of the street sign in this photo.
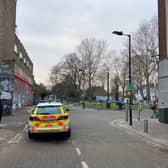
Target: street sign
(130, 86)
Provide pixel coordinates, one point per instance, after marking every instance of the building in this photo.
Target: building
(16, 67)
(163, 62)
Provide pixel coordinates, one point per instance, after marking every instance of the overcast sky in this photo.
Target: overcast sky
(49, 29)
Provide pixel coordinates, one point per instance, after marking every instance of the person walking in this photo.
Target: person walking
(153, 108)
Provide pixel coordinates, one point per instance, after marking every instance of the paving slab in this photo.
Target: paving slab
(157, 132)
(11, 124)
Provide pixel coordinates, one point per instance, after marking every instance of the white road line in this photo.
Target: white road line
(16, 138)
(26, 126)
(19, 138)
(84, 164)
(78, 151)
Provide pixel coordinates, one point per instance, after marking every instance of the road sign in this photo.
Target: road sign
(130, 86)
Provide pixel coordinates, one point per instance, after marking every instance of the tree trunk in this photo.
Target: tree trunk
(148, 90)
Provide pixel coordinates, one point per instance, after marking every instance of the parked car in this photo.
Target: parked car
(49, 117)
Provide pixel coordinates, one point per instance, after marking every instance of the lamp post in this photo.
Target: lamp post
(108, 74)
(120, 33)
(108, 95)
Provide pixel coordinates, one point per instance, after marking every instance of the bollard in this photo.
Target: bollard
(139, 111)
(146, 126)
(126, 114)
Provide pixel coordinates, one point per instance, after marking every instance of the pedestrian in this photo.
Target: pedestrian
(120, 104)
(153, 107)
(108, 103)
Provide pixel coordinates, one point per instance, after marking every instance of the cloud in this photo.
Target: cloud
(53, 28)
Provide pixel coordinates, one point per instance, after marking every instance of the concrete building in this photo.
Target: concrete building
(16, 67)
(163, 62)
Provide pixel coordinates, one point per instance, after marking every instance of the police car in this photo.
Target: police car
(49, 117)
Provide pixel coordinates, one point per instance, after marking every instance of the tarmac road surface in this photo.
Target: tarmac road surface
(94, 144)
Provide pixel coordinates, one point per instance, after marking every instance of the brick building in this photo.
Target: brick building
(16, 67)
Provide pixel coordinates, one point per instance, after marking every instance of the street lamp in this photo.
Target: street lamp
(108, 74)
(120, 33)
(108, 94)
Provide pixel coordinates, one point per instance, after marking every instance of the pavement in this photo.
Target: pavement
(157, 133)
(12, 124)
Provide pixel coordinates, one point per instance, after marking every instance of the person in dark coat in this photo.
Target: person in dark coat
(153, 107)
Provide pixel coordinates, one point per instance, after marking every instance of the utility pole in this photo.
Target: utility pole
(108, 95)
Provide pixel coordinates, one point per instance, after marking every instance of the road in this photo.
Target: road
(94, 144)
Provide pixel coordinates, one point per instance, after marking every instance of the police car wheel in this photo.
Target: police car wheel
(30, 135)
(68, 134)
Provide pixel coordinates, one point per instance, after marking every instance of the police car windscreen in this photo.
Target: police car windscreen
(49, 110)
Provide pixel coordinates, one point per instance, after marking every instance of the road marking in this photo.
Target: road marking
(78, 151)
(16, 138)
(2, 125)
(19, 138)
(84, 164)
(26, 126)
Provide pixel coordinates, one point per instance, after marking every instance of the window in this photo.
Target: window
(15, 48)
(49, 110)
(25, 60)
(20, 55)
(30, 67)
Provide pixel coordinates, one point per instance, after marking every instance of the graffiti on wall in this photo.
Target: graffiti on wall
(22, 92)
(6, 87)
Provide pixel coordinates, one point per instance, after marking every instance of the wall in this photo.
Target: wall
(23, 95)
(16, 67)
(6, 87)
(7, 28)
(163, 63)
(23, 76)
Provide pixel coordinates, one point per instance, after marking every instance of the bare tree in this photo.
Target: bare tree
(91, 52)
(102, 74)
(145, 45)
(138, 74)
(115, 86)
(119, 70)
(55, 74)
(73, 65)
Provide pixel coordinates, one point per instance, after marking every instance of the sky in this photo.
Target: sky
(49, 29)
